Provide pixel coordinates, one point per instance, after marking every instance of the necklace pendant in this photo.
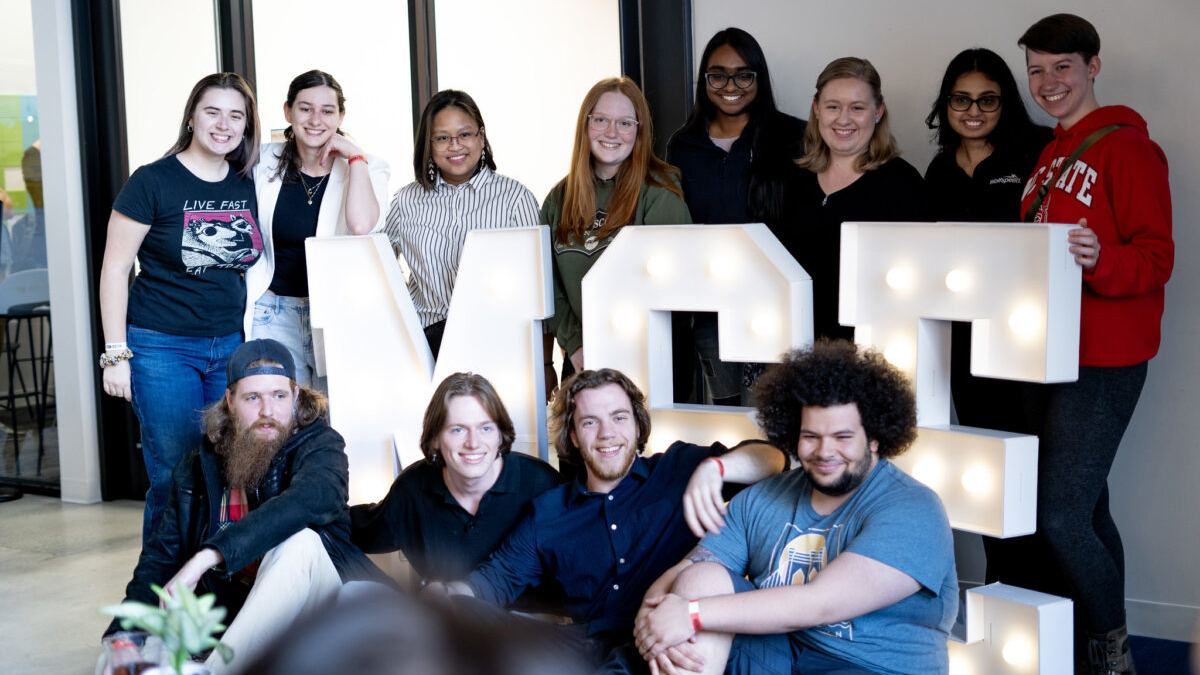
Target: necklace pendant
(310, 201)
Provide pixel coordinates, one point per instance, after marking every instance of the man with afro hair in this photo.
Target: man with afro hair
(844, 564)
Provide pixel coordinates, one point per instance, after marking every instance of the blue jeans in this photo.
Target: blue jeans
(173, 378)
(778, 654)
(284, 318)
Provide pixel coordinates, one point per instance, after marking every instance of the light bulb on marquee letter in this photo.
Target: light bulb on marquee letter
(1019, 286)
(627, 321)
(1013, 630)
(381, 372)
(957, 280)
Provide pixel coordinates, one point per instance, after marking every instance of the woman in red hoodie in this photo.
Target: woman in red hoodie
(1117, 191)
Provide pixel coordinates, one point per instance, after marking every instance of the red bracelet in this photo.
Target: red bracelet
(694, 611)
(357, 158)
(720, 465)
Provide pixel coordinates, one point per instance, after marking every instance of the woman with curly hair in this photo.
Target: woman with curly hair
(615, 180)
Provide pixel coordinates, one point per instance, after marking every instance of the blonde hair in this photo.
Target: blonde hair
(883, 146)
(641, 167)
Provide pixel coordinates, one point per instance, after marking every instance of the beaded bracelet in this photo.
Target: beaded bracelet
(106, 360)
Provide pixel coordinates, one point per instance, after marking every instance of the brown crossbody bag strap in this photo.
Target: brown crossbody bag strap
(1082, 148)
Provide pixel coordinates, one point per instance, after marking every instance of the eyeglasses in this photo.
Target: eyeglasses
(441, 142)
(742, 80)
(962, 103)
(625, 125)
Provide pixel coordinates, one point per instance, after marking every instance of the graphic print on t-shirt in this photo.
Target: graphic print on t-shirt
(220, 240)
(798, 557)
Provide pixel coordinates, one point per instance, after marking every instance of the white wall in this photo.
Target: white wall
(1149, 55)
(16, 49)
(74, 364)
(543, 57)
(364, 45)
(166, 49)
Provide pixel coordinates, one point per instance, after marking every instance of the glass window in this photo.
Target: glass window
(528, 64)
(28, 438)
(364, 45)
(159, 75)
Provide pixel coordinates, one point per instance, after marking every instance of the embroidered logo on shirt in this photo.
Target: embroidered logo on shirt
(597, 222)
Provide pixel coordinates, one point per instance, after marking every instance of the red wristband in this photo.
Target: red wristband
(694, 611)
(720, 465)
(357, 158)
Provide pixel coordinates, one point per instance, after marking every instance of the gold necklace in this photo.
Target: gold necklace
(312, 191)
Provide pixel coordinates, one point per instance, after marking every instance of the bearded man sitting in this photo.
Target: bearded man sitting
(257, 513)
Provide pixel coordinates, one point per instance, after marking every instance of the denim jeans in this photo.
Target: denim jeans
(173, 378)
(285, 319)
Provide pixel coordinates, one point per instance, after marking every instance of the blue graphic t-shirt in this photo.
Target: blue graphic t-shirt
(203, 237)
(774, 536)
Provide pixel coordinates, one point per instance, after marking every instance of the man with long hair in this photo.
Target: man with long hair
(625, 519)
(257, 513)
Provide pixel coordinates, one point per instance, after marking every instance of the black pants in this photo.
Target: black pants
(433, 334)
(1077, 550)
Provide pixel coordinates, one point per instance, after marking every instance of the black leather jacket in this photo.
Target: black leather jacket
(306, 485)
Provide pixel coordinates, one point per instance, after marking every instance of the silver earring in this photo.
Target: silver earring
(483, 157)
(189, 127)
(877, 120)
(432, 172)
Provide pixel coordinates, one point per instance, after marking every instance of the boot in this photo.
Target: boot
(1109, 653)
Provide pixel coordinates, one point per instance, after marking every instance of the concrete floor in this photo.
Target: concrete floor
(58, 564)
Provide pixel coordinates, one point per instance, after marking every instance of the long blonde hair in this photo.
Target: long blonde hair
(641, 167)
(883, 146)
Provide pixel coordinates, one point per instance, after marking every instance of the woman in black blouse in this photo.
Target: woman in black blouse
(987, 147)
(851, 171)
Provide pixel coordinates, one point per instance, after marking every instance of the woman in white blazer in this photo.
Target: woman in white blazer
(316, 183)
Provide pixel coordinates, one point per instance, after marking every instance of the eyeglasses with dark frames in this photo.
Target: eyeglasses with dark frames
(963, 103)
(443, 141)
(743, 80)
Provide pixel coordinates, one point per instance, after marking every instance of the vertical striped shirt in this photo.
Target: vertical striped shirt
(429, 229)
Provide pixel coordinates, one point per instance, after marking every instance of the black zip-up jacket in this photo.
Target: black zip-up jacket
(717, 185)
(306, 485)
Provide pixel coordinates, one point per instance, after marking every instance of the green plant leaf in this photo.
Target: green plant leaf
(225, 651)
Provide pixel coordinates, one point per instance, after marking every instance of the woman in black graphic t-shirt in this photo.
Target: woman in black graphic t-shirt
(189, 219)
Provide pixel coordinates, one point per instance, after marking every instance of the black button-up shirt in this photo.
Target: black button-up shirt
(603, 549)
(440, 538)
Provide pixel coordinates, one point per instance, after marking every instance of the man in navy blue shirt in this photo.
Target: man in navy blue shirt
(608, 535)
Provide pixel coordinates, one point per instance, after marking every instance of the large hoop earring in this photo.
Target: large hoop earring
(432, 172)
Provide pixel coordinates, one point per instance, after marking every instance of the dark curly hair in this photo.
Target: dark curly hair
(562, 410)
(464, 384)
(831, 373)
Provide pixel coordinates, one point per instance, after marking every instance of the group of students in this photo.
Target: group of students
(218, 226)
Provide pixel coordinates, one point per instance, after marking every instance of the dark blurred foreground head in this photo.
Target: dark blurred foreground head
(386, 633)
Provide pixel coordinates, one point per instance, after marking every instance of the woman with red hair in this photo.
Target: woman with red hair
(615, 180)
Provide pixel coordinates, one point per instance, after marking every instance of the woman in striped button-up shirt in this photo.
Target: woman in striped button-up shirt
(456, 191)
